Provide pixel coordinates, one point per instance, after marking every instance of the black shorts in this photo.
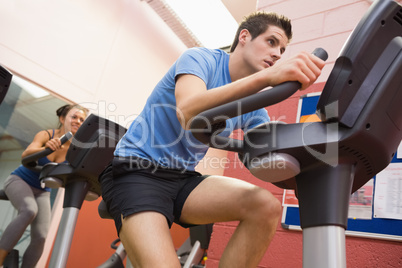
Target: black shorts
(132, 185)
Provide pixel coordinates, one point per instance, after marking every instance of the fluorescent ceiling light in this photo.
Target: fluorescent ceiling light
(209, 20)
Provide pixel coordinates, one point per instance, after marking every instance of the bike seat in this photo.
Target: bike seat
(272, 166)
(275, 167)
(102, 210)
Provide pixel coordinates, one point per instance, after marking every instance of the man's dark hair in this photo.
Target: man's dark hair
(258, 22)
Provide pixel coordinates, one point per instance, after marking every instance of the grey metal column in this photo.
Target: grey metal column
(324, 201)
(64, 237)
(324, 246)
(74, 195)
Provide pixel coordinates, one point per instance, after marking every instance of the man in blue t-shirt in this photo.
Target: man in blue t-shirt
(152, 181)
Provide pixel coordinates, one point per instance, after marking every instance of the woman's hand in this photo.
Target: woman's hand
(54, 144)
(40, 142)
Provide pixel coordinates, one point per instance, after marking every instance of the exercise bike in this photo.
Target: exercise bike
(13, 257)
(90, 151)
(5, 81)
(327, 161)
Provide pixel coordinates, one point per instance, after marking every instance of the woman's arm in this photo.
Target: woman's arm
(40, 142)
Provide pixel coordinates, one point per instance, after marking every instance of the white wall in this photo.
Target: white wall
(107, 54)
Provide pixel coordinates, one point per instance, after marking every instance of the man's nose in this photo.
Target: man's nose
(276, 54)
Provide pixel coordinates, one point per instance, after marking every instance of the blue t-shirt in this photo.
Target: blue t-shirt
(156, 134)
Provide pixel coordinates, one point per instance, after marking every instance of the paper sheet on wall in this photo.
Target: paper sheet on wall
(360, 202)
(388, 193)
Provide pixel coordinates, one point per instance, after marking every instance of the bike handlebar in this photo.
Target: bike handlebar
(206, 126)
(31, 161)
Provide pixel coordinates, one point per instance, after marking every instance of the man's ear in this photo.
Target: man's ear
(244, 34)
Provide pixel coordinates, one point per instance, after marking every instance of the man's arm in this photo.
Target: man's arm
(192, 96)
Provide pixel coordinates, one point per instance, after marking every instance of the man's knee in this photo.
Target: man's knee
(265, 204)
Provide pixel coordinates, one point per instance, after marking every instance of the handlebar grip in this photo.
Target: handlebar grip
(31, 161)
(321, 53)
(66, 137)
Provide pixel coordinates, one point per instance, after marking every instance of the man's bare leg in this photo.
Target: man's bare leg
(147, 241)
(219, 199)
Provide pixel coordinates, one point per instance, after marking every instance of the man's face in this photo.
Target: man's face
(264, 50)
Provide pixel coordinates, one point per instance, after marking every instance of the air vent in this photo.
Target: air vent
(360, 157)
(398, 17)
